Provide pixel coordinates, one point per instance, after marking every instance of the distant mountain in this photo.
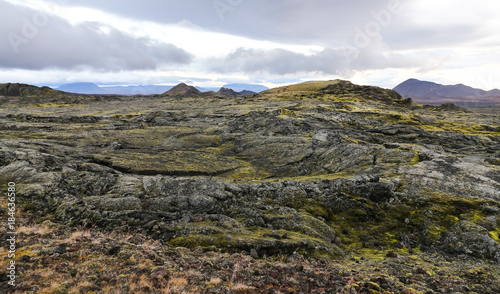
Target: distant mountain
(226, 92)
(183, 90)
(248, 87)
(433, 93)
(136, 90)
(207, 89)
(81, 88)
(93, 89)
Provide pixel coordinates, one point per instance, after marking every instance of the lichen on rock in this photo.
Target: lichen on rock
(326, 169)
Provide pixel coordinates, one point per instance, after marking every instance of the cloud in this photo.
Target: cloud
(38, 40)
(379, 55)
(330, 61)
(278, 41)
(279, 62)
(281, 20)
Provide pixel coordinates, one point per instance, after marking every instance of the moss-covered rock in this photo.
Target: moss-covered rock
(320, 168)
(469, 239)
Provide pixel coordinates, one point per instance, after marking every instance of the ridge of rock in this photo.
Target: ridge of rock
(319, 168)
(24, 90)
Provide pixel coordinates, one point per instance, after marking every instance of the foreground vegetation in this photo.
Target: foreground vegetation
(55, 258)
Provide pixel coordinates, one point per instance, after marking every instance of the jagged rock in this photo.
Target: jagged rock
(318, 168)
(253, 253)
(469, 239)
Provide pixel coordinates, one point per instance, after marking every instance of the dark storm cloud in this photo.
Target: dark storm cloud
(36, 40)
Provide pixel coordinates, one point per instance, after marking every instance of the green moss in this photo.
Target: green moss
(415, 160)
(373, 286)
(450, 220)
(202, 140)
(402, 188)
(43, 105)
(173, 162)
(261, 239)
(139, 138)
(414, 291)
(313, 206)
(50, 217)
(451, 204)
(28, 206)
(246, 173)
(369, 253)
(417, 221)
(316, 210)
(285, 112)
(495, 236)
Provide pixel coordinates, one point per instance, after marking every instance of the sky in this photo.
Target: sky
(209, 43)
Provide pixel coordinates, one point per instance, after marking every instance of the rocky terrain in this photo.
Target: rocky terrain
(320, 187)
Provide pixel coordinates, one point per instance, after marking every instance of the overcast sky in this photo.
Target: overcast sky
(213, 42)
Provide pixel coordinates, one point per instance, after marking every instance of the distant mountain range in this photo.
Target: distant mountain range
(190, 91)
(433, 93)
(423, 92)
(82, 88)
(246, 87)
(85, 89)
(93, 89)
